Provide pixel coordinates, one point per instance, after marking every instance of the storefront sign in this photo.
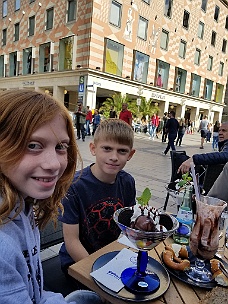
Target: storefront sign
(28, 83)
(158, 96)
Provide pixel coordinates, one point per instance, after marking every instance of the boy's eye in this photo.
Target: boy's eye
(122, 151)
(62, 146)
(107, 148)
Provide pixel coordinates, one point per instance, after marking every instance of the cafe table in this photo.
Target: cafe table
(178, 292)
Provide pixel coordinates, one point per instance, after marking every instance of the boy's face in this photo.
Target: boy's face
(111, 157)
(44, 161)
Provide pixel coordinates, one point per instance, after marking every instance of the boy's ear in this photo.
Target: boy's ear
(92, 148)
(131, 154)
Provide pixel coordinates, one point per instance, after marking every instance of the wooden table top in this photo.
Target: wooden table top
(178, 291)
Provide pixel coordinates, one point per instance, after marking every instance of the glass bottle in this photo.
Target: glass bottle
(185, 218)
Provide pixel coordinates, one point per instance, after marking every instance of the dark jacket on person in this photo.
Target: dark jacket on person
(220, 157)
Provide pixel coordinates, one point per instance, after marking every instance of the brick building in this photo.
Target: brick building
(174, 51)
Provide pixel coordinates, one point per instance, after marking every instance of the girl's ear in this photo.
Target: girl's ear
(92, 148)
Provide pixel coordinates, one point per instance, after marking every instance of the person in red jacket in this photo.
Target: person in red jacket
(125, 114)
(89, 119)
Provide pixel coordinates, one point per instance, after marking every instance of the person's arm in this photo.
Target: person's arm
(73, 245)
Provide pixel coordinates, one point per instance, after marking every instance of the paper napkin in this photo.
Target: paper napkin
(125, 241)
(110, 274)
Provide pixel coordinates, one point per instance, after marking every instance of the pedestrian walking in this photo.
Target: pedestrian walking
(181, 132)
(153, 126)
(203, 130)
(171, 128)
(89, 118)
(164, 133)
(125, 114)
(80, 119)
(112, 113)
(215, 135)
(96, 120)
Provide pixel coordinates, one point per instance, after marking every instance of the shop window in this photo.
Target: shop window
(164, 40)
(221, 68)
(197, 56)
(27, 61)
(162, 75)
(113, 57)
(17, 5)
(66, 53)
(71, 11)
(200, 30)
(204, 5)
(210, 63)
(1, 65)
(16, 31)
(224, 44)
(50, 17)
(180, 80)
(195, 85)
(4, 36)
(168, 8)
(115, 13)
(13, 64)
(219, 92)
(141, 63)
(216, 14)
(45, 57)
(213, 38)
(208, 89)
(4, 8)
(142, 28)
(31, 29)
(182, 49)
(186, 19)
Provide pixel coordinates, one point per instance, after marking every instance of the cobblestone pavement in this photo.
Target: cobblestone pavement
(148, 166)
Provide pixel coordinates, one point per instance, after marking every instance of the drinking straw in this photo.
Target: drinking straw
(195, 181)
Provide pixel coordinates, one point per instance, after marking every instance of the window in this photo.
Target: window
(114, 57)
(16, 31)
(210, 63)
(164, 40)
(71, 12)
(162, 75)
(1, 65)
(168, 8)
(213, 38)
(197, 56)
(221, 68)
(219, 92)
(27, 61)
(13, 64)
(115, 13)
(45, 57)
(224, 44)
(4, 8)
(186, 19)
(50, 15)
(17, 5)
(180, 80)
(142, 29)
(4, 35)
(208, 89)
(195, 85)
(31, 30)
(182, 49)
(216, 14)
(226, 24)
(204, 5)
(200, 30)
(66, 53)
(141, 63)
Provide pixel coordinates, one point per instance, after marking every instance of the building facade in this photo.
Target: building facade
(173, 51)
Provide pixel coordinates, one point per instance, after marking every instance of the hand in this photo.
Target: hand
(185, 166)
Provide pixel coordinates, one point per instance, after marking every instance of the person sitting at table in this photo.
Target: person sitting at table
(220, 189)
(96, 192)
(216, 157)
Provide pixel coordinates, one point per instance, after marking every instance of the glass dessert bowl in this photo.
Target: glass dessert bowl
(139, 279)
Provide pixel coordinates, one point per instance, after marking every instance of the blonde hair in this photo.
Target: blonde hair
(114, 129)
(21, 113)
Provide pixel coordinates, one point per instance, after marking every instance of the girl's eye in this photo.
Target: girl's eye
(34, 146)
(62, 146)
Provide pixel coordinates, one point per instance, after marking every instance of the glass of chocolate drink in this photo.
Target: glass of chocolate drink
(204, 238)
(145, 230)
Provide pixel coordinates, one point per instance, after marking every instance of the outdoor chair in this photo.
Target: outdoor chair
(54, 279)
(211, 174)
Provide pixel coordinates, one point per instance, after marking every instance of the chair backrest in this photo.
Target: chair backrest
(177, 158)
(50, 235)
(211, 174)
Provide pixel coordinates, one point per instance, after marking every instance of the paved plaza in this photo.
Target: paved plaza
(148, 166)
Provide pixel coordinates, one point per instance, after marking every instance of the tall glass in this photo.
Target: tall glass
(204, 239)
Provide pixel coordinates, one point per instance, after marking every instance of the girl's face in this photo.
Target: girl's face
(44, 161)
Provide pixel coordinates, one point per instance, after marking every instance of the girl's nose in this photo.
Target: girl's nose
(51, 161)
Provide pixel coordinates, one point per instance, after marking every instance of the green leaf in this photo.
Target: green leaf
(144, 198)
